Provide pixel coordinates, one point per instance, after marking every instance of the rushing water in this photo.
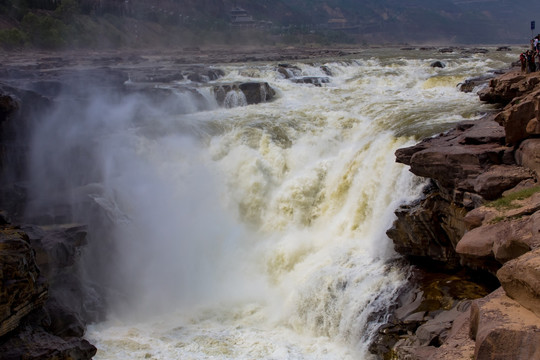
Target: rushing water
(258, 232)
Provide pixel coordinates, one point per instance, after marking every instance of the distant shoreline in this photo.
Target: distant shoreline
(213, 55)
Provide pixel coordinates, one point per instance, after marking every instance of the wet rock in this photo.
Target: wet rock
(156, 76)
(314, 80)
(438, 64)
(470, 84)
(326, 70)
(504, 48)
(475, 51)
(257, 92)
(253, 92)
(289, 71)
(447, 50)
(205, 75)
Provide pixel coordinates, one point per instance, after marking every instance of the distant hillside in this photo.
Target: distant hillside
(58, 23)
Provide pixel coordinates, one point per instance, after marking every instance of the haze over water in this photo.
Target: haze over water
(258, 232)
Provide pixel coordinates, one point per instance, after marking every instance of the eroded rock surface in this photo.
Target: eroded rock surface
(471, 165)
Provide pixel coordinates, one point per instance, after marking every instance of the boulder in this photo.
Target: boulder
(257, 92)
(507, 87)
(447, 50)
(33, 343)
(254, 92)
(289, 71)
(503, 329)
(533, 127)
(496, 179)
(458, 344)
(437, 64)
(528, 155)
(520, 279)
(470, 84)
(313, 80)
(435, 331)
(501, 241)
(205, 75)
(428, 230)
(517, 116)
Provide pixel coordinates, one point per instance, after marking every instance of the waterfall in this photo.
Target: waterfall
(234, 98)
(241, 232)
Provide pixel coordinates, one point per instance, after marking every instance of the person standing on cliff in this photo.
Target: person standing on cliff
(523, 61)
(530, 61)
(537, 59)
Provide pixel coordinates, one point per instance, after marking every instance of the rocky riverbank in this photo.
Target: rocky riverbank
(480, 215)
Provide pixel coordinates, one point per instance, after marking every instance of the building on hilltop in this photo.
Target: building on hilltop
(240, 17)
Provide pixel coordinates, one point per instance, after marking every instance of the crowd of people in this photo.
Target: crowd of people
(530, 59)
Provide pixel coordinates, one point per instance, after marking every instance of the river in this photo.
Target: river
(258, 231)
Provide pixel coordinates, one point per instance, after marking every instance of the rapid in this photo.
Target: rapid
(255, 231)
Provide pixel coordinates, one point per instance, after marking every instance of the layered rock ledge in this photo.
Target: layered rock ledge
(479, 215)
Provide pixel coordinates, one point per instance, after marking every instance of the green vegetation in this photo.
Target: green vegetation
(13, 39)
(506, 202)
(56, 24)
(44, 31)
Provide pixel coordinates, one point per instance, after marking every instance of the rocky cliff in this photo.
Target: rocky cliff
(41, 297)
(480, 215)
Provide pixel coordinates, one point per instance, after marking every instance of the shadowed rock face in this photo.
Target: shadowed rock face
(40, 307)
(23, 288)
(452, 226)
